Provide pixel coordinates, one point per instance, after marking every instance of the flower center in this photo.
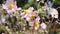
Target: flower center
(36, 24)
(32, 16)
(11, 6)
(25, 11)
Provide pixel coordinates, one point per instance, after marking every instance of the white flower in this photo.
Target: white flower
(27, 12)
(43, 25)
(32, 16)
(10, 6)
(36, 25)
(2, 19)
(53, 12)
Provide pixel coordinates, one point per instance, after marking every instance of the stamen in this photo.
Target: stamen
(36, 24)
(11, 6)
(25, 11)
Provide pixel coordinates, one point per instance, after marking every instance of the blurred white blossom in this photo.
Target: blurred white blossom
(10, 6)
(43, 25)
(53, 12)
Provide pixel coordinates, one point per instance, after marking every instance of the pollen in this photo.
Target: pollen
(25, 11)
(11, 6)
(36, 24)
(32, 16)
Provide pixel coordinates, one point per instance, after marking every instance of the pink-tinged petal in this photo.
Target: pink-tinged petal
(31, 8)
(4, 6)
(28, 19)
(9, 2)
(43, 25)
(10, 11)
(24, 16)
(15, 6)
(30, 12)
(37, 19)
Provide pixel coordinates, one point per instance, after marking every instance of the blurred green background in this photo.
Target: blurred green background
(28, 3)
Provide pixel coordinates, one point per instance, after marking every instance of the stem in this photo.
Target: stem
(27, 25)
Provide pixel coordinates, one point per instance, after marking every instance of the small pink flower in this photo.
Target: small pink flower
(10, 6)
(32, 17)
(27, 12)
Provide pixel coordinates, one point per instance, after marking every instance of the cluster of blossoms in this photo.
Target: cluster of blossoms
(29, 14)
(32, 17)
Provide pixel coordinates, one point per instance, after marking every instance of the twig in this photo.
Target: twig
(57, 7)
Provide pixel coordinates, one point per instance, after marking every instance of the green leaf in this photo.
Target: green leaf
(28, 4)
